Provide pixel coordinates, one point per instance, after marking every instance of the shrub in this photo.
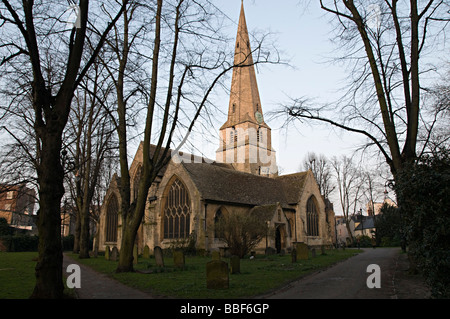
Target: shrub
(423, 192)
(20, 243)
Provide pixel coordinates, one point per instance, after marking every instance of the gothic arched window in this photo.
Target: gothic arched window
(177, 212)
(312, 218)
(136, 180)
(112, 217)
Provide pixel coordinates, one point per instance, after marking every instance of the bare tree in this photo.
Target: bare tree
(321, 168)
(350, 183)
(242, 232)
(188, 59)
(91, 132)
(387, 45)
(37, 42)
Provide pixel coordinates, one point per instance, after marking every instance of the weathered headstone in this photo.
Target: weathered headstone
(270, 251)
(322, 248)
(107, 252)
(146, 254)
(217, 275)
(135, 254)
(215, 255)
(235, 263)
(302, 251)
(313, 253)
(178, 258)
(294, 255)
(159, 258)
(114, 256)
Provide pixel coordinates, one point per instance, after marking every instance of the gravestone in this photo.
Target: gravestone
(178, 258)
(215, 255)
(217, 275)
(302, 251)
(135, 254)
(146, 252)
(235, 263)
(270, 251)
(294, 255)
(107, 252)
(159, 258)
(114, 254)
(313, 253)
(322, 248)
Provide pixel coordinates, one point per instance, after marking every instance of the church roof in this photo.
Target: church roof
(217, 182)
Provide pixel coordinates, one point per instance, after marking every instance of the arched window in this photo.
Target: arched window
(136, 180)
(177, 212)
(312, 218)
(112, 216)
(218, 233)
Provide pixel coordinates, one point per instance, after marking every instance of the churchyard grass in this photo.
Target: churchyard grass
(258, 276)
(17, 278)
(17, 275)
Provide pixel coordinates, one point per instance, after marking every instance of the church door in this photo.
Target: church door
(278, 240)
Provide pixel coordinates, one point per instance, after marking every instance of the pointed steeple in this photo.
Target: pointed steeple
(245, 103)
(246, 140)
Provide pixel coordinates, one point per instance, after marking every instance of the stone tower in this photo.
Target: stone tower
(246, 140)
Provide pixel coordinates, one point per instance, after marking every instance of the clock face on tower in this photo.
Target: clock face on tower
(259, 117)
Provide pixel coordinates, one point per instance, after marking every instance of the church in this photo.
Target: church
(188, 197)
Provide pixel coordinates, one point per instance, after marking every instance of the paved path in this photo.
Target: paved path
(99, 286)
(347, 280)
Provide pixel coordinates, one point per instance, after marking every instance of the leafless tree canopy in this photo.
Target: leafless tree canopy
(392, 50)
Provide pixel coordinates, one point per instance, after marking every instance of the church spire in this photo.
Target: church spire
(246, 140)
(245, 103)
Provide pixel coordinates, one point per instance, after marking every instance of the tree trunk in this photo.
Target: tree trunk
(84, 234)
(76, 240)
(49, 281)
(126, 254)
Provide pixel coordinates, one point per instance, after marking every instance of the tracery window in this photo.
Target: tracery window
(177, 212)
(312, 218)
(112, 217)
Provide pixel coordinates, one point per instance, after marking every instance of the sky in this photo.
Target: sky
(303, 36)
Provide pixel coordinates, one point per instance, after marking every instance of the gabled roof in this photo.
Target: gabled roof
(368, 223)
(293, 185)
(217, 182)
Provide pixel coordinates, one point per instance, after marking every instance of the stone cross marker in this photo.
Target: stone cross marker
(235, 263)
(178, 258)
(114, 254)
(159, 256)
(302, 251)
(217, 275)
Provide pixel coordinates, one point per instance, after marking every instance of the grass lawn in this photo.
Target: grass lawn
(257, 277)
(17, 278)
